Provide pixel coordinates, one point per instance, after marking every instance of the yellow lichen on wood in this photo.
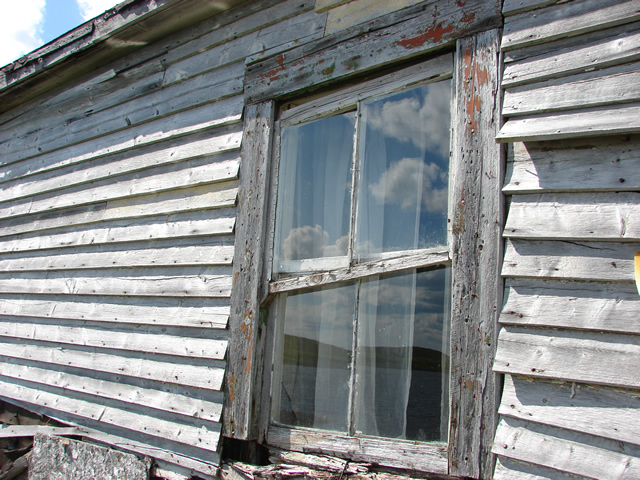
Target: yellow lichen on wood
(360, 11)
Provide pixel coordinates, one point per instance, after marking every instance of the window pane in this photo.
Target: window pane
(402, 363)
(404, 165)
(316, 358)
(314, 190)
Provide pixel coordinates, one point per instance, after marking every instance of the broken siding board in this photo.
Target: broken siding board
(568, 260)
(598, 411)
(619, 84)
(179, 403)
(604, 120)
(178, 282)
(201, 313)
(508, 469)
(154, 180)
(416, 30)
(586, 164)
(569, 355)
(187, 122)
(475, 248)
(575, 216)
(565, 20)
(208, 223)
(560, 450)
(194, 373)
(590, 306)
(214, 347)
(569, 56)
(179, 200)
(204, 436)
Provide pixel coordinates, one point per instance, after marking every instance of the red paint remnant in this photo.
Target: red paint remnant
(235, 277)
(469, 384)
(433, 33)
(232, 388)
(461, 3)
(248, 369)
(468, 17)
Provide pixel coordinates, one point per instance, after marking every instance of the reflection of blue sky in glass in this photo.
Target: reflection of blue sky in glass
(404, 164)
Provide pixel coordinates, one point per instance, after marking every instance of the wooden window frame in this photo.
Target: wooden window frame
(475, 250)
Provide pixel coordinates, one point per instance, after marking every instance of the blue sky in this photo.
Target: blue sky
(27, 24)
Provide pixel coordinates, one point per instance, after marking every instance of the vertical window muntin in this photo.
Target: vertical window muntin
(354, 424)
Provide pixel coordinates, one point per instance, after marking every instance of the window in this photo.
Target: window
(360, 262)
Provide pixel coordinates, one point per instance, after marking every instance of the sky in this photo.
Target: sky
(28, 24)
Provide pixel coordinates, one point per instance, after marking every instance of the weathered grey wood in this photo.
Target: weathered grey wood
(192, 373)
(360, 270)
(513, 7)
(590, 306)
(141, 396)
(201, 313)
(205, 223)
(517, 440)
(598, 411)
(508, 469)
(421, 457)
(609, 163)
(619, 84)
(180, 200)
(565, 20)
(184, 281)
(575, 216)
(605, 120)
(387, 39)
(569, 355)
(214, 347)
(157, 179)
(14, 431)
(578, 54)
(476, 217)
(247, 272)
(54, 457)
(569, 260)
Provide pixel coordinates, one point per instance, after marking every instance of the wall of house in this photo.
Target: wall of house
(568, 345)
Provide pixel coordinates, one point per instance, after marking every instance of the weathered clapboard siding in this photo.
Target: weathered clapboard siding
(569, 338)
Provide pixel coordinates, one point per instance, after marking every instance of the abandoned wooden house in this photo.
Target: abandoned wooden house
(188, 265)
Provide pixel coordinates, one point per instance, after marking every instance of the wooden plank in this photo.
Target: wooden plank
(568, 56)
(544, 446)
(575, 216)
(508, 469)
(619, 84)
(214, 347)
(203, 434)
(565, 20)
(207, 223)
(186, 122)
(513, 7)
(569, 355)
(387, 39)
(247, 271)
(598, 411)
(178, 401)
(410, 455)
(354, 13)
(590, 306)
(193, 373)
(189, 173)
(180, 200)
(571, 165)
(89, 258)
(15, 431)
(601, 261)
(606, 120)
(165, 153)
(185, 312)
(183, 281)
(475, 213)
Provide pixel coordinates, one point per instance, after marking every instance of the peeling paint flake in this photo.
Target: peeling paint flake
(434, 34)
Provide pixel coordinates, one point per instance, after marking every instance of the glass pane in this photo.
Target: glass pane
(316, 358)
(314, 187)
(402, 364)
(404, 169)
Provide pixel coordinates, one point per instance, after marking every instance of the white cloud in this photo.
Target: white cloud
(311, 242)
(92, 8)
(20, 28)
(405, 179)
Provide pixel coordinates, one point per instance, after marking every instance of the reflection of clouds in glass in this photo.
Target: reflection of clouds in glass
(424, 123)
(312, 242)
(401, 182)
